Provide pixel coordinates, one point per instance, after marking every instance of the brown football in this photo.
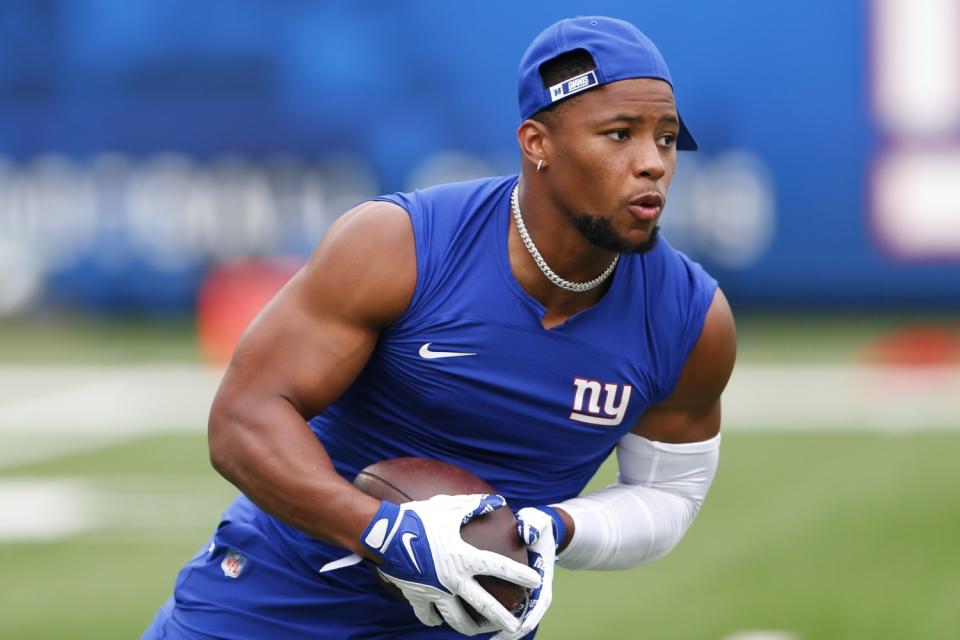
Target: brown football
(404, 479)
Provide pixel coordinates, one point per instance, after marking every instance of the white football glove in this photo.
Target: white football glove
(423, 554)
(541, 529)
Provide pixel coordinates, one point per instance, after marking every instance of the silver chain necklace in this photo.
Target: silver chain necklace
(577, 287)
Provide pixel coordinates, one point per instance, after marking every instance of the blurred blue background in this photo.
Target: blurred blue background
(144, 143)
(165, 165)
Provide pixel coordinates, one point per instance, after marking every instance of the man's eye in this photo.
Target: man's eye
(667, 140)
(619, 135)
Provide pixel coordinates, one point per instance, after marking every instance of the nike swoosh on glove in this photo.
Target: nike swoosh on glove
(423, 554)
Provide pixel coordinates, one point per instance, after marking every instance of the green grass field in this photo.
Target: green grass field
(825, 535)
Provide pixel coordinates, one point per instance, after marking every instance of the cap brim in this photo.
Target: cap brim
(685, 141)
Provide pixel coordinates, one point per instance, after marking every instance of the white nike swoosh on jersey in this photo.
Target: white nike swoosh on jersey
(427, 354)
(346, 561)
(406, 539)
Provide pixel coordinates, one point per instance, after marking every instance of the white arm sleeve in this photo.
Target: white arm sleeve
(645, 514)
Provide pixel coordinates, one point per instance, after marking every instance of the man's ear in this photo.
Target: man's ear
(534, 139)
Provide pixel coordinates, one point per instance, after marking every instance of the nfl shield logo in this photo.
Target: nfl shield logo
(233, 563)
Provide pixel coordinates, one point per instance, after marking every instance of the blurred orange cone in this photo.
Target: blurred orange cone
(230, 298)
(915, 345)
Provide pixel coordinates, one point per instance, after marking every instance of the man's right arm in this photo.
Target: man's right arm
(303, 350)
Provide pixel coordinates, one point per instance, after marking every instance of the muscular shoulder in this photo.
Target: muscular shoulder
(692, 410)
(365, 266)
(707, 370)
(312, 340)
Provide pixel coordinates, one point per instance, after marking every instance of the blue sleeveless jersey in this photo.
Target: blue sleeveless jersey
(535, 411)
(532, 411)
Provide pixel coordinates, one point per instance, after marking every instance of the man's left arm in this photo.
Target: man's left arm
(666, 464)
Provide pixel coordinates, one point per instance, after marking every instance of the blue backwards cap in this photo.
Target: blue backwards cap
(619, 51)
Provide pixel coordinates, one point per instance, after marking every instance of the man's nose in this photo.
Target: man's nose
(648, 162)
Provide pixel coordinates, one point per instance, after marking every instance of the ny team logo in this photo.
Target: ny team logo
(587, 402)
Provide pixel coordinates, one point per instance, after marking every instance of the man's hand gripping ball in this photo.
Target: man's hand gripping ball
(423, 554)
(542, 530)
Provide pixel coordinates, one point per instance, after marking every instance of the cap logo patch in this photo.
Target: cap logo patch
(573, 85)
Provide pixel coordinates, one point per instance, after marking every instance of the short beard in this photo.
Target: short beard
(598, 231)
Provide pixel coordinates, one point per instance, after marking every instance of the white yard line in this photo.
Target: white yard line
(828, 397)
(45, 509)
(20, 449)
(106, 400)
(40, 508)
(161, 398)
(49, 411)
